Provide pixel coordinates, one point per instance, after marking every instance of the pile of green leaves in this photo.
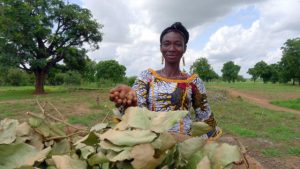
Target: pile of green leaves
(140, 141)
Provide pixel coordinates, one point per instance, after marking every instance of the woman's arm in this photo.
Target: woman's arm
(200, 104)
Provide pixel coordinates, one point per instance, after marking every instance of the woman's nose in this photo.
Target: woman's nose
(172, 47)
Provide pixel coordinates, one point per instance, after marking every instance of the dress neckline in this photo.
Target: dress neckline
(187, 80)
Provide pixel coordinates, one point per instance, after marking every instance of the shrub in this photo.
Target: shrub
(16, 77)
(72, 78)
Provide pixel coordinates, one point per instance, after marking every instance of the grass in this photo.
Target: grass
(293, 104)
(271, 152)
(294, 151)
(243, 119)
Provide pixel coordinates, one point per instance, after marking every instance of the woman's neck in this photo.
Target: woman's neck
(171, 72)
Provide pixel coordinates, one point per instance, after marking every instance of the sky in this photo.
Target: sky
(242, 31)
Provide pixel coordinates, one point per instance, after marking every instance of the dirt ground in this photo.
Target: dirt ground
(261, 100)
(292, 162)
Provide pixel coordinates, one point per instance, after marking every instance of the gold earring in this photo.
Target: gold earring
(183, 62)
(162, 60)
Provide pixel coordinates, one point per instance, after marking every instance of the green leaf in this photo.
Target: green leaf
(66, 162)
(123, 155)
(17, 155)
(35, 122)
(164, 141)
(86, 151)
(190, 146)
(128, 137)
(23, 129)
(98, 127)
(195, 159)
(225, 155)
(106, 145)
(134, 117)
(204, 163)
(200, 128)
(98, 158)
(8, 131)
(61, 147)
(163, 121)
(143, 156)
(91, 139)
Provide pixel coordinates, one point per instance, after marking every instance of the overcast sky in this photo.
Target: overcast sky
(243, 31)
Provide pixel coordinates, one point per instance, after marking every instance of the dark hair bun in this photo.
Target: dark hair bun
(176, 27)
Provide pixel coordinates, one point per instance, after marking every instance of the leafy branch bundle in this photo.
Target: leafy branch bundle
(139, 141)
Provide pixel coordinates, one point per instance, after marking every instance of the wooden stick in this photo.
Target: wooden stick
(34, 115)
(40, 106)
(61, 115)
(243, 151)
(105, 117)
(62, 137)
(64, 122)
(56, 119)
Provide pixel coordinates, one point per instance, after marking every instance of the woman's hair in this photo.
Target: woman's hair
(176, 27)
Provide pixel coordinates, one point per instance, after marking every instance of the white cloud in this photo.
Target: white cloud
(262, 41)
(132, 29)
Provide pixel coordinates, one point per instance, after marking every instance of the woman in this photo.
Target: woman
(169, 88)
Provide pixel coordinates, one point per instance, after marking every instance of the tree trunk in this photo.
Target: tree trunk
(39, 81)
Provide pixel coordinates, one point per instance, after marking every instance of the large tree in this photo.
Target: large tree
(263, 70)
(230, 71)
(37, 34)
(253, 72)
(110, 70)
(290, 60)
(203, 69)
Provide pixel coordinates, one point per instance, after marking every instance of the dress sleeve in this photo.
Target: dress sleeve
(141, 86)
(201, 106)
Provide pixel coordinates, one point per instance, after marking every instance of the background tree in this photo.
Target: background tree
(290, 60)
(263, 71)
(203, 69)
(89, 73)
(110, 70)
(230, 71)
(275, 72)
(36, 35)
(253, 73)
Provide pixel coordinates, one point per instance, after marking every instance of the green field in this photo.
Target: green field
(293, 104)
(272, 133)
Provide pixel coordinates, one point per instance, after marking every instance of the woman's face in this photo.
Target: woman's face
(172, 47)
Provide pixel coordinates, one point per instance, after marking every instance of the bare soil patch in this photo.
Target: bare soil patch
(262, 100)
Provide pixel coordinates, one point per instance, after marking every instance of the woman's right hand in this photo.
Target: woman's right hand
(123, 95)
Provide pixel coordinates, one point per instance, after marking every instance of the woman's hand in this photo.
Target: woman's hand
(123, 95)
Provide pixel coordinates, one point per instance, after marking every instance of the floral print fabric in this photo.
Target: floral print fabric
(161, 94)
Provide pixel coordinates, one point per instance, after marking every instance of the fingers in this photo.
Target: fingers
(123, 95)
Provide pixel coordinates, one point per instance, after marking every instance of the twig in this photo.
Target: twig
(42, 109)
(59, 120)
(105, 117)
(61, 115)
(34, 115)
(62, 137)
(56, 119)
(243, 151)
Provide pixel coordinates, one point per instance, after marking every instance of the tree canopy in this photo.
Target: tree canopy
(230, 71)
(290, 60)
(36, 35)
(110, 69)
(203, 69)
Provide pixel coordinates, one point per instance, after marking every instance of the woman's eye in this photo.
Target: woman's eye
(165, 44)
(179, 45)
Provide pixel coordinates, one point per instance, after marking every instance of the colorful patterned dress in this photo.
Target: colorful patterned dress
(160, 94)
